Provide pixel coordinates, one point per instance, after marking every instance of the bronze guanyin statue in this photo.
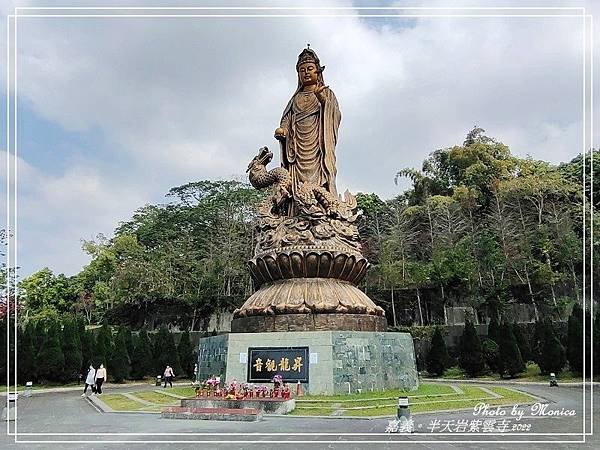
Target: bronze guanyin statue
(308, 258)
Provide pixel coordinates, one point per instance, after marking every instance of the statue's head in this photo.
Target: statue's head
(309, 68)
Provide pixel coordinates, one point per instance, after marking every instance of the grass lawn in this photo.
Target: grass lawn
(119, 402)
(532, 373)
(156, 398)
(425, 389)
(312, 412)
(429, 397)
(184, 391)
(386, 405)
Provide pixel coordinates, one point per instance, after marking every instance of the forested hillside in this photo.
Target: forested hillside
(479, 227)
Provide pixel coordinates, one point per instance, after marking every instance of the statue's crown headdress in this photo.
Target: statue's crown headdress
(309, 55)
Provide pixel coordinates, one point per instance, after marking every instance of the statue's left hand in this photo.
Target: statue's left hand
(320, 93)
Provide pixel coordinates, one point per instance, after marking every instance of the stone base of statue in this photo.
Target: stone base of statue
(308, 288)
(308, 322)
(324, 362)
(309, 304)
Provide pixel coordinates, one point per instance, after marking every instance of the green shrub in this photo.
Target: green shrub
(509, 358)
(524, 344)
(71, 348)
(142, 359)
(50, 358)
(471, 354)
(575, 339)
(437, 358)
(550, 353)
(119, 362)
(104, 346)
(186, 355)
(27, 367)
(490, 354)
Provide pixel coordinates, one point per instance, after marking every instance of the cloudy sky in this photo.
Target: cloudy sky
(112, 112)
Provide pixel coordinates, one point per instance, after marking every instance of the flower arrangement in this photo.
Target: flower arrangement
(277, 383)
(261, 391)
(209, 387)
(213, 382)
(231, 387)
(241, 391)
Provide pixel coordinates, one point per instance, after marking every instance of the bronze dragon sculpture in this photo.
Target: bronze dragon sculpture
(308, 195)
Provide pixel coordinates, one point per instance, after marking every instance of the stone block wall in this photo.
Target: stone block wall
(340, 362)
(373, 361)
(212, 356)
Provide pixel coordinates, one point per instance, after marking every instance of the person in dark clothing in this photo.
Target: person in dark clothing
(100, 378)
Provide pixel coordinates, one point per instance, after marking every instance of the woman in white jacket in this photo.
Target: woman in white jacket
(90, 380)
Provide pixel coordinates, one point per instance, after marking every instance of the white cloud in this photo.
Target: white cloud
(55, 212)
(188, 99)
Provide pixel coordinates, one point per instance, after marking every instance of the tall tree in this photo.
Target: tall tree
(165, 352)
(119, 361)
(104, 345)
(142, 363)
(494, 330)
(50, 358)
(43, 290)
(551, 356)
(524, 344)
(491, 354)
(27, 367)
(185, 352)
(71, 349)
(89, 351)
(471, 353)
(437, 358)
(511, 362)
(575, 338)
(129, 341)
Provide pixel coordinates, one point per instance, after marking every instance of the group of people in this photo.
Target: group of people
(94, 379)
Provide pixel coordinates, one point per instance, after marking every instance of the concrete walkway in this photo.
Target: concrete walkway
(43, 418)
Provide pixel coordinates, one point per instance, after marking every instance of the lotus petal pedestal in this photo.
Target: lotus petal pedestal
(308, 291)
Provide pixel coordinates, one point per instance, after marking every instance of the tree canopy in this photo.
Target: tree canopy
(478, 227)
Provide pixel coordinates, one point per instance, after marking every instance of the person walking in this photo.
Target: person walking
(100, 378)
(90, 381)
(168, 376)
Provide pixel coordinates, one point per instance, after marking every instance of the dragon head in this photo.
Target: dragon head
(264, 157)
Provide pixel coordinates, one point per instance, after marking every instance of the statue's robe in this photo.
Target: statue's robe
(311, 136)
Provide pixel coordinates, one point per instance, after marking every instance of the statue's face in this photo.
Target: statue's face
(308, 74)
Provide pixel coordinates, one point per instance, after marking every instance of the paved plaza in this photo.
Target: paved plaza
(67, 412)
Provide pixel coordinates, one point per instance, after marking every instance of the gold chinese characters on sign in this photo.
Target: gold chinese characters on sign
(284, 365)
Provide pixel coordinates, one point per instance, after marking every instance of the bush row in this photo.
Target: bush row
(62, 350)
(505, 350)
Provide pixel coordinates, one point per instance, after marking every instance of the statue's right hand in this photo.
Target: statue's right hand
(280, 134)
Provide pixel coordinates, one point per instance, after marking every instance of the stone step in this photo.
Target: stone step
(264, 405)
(227, 414)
